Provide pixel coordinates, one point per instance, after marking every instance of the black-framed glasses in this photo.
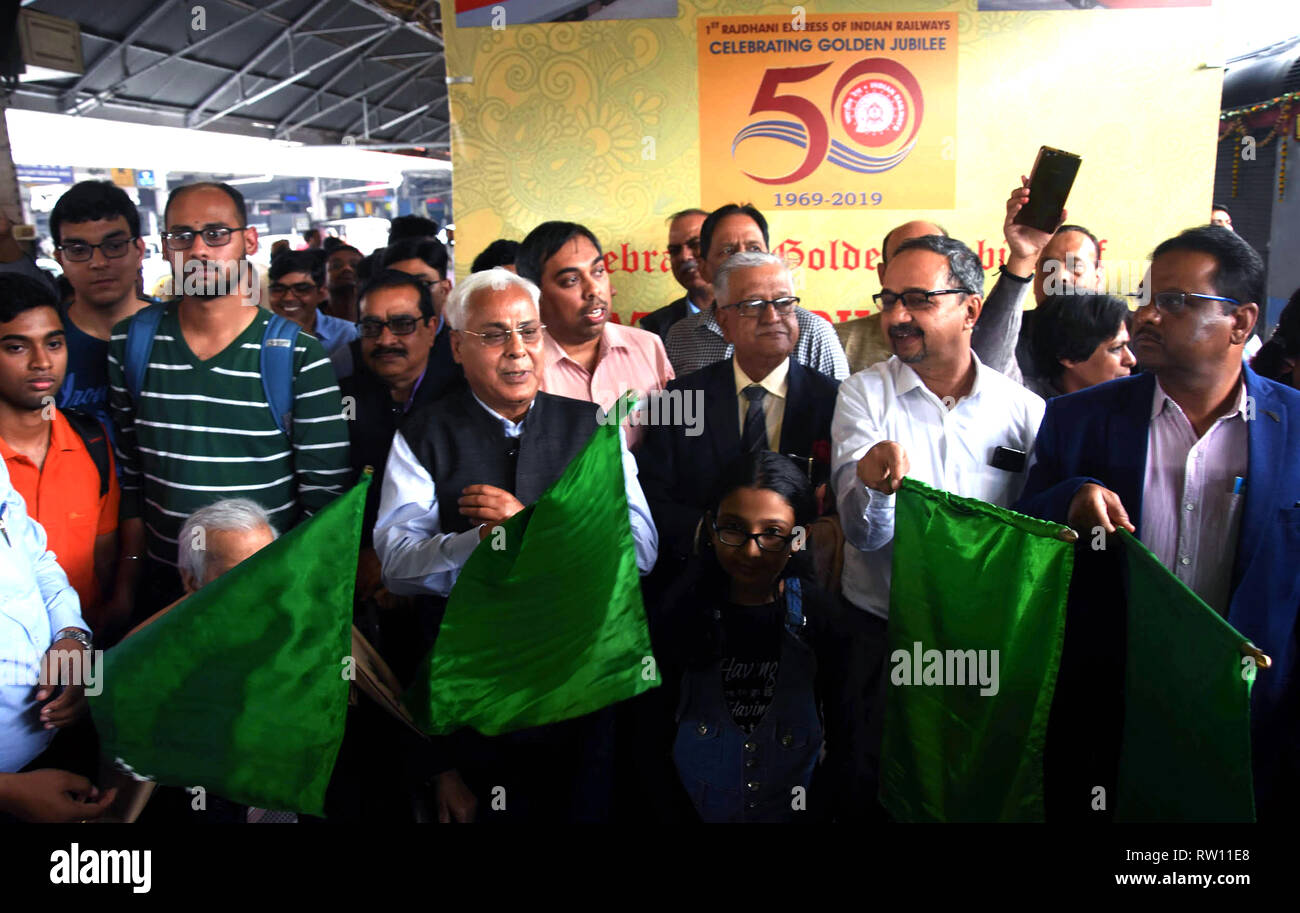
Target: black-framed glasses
(752, 307)
(738, 538)
(400, 325)
(915, 301)
(213, 236)
(495, 339)
(300, 289)
(1174, 303)
(113, 248)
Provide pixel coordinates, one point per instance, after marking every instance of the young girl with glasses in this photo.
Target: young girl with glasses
(761, 662)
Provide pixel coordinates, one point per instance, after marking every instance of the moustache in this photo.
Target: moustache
(381, 351)
(904, 332)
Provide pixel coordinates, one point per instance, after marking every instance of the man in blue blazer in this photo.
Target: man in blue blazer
(760, 398)
(1200, 459)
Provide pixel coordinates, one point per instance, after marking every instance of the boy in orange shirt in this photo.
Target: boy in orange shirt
(60, 463)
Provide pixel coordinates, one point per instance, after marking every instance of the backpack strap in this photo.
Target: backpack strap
(794, 617)
(278, 340)
(95, 437)
(139, 343)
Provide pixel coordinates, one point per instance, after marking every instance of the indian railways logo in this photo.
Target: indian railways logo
(874, 112)
(877, 102)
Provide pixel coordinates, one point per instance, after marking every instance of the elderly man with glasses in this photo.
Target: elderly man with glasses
(461, 466)
(933, 412)
(761, 398)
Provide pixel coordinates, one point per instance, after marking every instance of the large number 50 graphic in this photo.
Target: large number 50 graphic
(885, 113)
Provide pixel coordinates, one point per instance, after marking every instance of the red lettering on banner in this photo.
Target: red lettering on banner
(816, 259)
(609, 262)
(823, 315)
(857, 256)
(834, 265)
(614, 318)
(666, 263)
(636, 317)
(841, 316)
(868, 257)
(632, 268)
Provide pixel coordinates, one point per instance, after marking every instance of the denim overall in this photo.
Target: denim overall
(734, 777)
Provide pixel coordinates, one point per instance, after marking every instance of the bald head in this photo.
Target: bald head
(905, 232)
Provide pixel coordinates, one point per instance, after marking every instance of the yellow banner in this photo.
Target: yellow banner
(840, 112)
(618, 124)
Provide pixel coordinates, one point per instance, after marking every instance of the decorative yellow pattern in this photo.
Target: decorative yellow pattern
(597, 122)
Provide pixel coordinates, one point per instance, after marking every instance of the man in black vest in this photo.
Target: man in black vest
(459, 467)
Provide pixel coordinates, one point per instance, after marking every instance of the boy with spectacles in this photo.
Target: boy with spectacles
(96, 231)
(298, 290)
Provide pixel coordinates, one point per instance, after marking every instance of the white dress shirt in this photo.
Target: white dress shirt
(947, 448)
(418, 557)
(777, 386)
(1191, 516)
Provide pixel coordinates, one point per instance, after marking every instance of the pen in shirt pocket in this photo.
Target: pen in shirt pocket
(1238, 485)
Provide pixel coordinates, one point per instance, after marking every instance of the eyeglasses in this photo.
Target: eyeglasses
(80, 251)
(915, 301)
(752, 307)
(213, 236)
(693, 244)
(738, 538)
(401, 325)
(1175, 303)
(300, 289)
(495, 339)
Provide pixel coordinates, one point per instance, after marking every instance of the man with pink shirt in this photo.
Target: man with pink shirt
(584, 356)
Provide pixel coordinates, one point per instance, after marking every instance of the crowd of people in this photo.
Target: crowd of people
(762, 512)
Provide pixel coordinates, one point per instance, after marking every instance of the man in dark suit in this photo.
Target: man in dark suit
(1198, 459)
(684, 253)
(759, 399)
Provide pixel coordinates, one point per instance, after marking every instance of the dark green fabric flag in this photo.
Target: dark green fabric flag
(1186, 748)
(545, 622)
(241, 688)
(976, 622)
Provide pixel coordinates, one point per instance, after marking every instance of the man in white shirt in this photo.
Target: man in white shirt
(934, 412)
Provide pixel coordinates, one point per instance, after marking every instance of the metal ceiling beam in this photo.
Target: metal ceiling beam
(285, 124)
(68, 102)
(414, 112)
(345, 28)
(124, 45)
(412, 27)
(415, 73)
(192, 120)
(283, 128)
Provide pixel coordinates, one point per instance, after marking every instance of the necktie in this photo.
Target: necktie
(753, 437)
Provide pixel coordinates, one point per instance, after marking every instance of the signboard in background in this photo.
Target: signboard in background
(844, 112)
(145, 178)
(44, 174)
(122, 177)
(617, 125)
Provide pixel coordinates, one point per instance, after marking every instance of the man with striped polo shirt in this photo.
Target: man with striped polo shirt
(194, 418)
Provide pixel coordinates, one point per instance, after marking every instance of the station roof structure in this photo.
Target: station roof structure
(367, 73)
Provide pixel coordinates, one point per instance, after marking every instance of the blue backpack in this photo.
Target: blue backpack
(276, 359)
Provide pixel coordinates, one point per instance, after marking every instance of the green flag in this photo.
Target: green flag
(241, 688)
(545, 622)
(1186, 747)
(976, 621)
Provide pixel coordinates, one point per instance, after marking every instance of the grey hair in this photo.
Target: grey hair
(745, 259)
(239, 514)
(964, 269)
(456, 309)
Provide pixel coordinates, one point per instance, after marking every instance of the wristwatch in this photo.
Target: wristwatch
(76, 634)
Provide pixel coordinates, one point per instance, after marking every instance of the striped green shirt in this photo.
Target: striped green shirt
(202, 431)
